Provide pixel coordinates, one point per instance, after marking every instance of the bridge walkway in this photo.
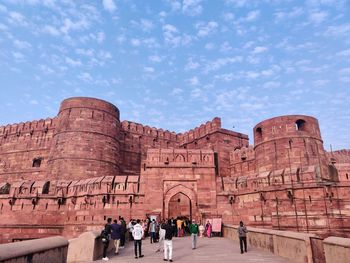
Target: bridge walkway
(208, 250)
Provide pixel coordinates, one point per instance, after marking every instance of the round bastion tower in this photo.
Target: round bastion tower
(85, 143)
(290, 142)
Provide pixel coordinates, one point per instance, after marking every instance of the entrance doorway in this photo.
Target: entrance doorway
(180, 205)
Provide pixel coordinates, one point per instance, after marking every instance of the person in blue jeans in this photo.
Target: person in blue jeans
(153, 228)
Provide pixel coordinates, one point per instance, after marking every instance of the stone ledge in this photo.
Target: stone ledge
(23, 248)
(337, 241)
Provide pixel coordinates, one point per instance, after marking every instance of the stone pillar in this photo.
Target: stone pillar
(85, 143)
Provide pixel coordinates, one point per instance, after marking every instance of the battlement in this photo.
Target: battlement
(178, 157)
(340, 156)
(201, 131)
(243, 154)
(18, 129)
(137, 128)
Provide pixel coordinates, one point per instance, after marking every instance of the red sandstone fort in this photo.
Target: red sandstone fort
(66, 175)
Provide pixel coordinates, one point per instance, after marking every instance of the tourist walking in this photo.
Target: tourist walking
(168, 242)
(161, 235)
(116, 235)
(179, 227)
(130, 228)
(106, 235)
(242, 234)
(194, 233)
(208, 229)
(153, 228)
(137, 234)
(123, 232)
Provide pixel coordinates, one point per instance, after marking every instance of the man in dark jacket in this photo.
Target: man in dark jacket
(123, 232)
(168, 242)
(116, 235)
(105, 238)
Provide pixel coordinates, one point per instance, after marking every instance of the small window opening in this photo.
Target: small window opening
(258, 133)
(179, 200)
(310, 198)
(46, 188)
(300, 125)
(298, 175)
(36, 162)
(347, 176)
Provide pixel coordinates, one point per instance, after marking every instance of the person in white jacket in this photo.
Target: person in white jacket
(137, 233)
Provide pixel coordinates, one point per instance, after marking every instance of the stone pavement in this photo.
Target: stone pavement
(214, 249)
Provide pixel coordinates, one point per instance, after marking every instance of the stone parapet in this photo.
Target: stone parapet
(337, 249)
(51, 249)
(291, 245)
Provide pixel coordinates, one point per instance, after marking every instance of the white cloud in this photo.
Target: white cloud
(34, 102)
(252, 15)
(206, 29)
(18, 56)
(228, 16)
(237, 3)
(109, 5)
(69, 25)
(192, 7)
(218, 63)
(146, 25)
(85, 52)
(260, 49)
(85, 76)
(72, 62)
(338, 30)
(176, 91)
(271, 85)
(194, 81)
(17, 19)
(22, 44)
(344, 53)
(135, 42)
(148, 69)
(318, 17)
(155, 58)
(290, 14)
(191, 65)
(100, 37)
(209, 46)
(171, 35)
(51, 30)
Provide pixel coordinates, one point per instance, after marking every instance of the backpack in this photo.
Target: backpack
(104, 236)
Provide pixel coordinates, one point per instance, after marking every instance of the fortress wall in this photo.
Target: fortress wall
(23, 143)
(315, 209)
(136, 138)
(68, 207)
(211, 136)
(85, 142)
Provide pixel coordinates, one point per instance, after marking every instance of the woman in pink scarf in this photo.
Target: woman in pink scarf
(208, 229)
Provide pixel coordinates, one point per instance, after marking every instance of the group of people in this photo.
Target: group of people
(162, 233)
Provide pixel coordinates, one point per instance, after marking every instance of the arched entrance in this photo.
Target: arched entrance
(180, 200)
(180, 205)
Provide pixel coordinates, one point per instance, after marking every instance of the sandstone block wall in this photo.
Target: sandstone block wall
(68, 174)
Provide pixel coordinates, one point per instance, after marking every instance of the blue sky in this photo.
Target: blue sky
(176, 64)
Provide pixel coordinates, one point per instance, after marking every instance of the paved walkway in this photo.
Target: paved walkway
(208, 250)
